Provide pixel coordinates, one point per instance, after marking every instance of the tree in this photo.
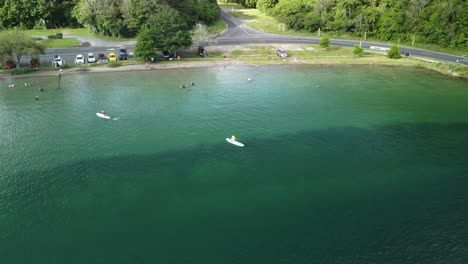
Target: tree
(165, 31)
(358, 51)
(17, 44)
(394, 53)
(264, 5)
(325, 42)
(145, 46)
(201, 35)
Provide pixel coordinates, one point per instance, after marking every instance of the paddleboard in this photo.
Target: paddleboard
(103, 116)
(237, 143)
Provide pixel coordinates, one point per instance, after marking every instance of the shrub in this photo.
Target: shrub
(22, 71)
(114, 64)
(358, 51)
(394, 53)
(52, 37)
(59, 35)
(325, 42)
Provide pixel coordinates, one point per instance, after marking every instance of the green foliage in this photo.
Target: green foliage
(125, 18)
(358, 51)
(325, 42)
(165, 31)
(145, 47)
(394, 53)
(250, 3)
(264, 5)
(22, 71)
(293, 12)
(438, 22)
(17, 44)
(56, 36)
(114, 64)
(36, 14)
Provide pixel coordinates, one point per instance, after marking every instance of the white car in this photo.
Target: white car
(58, 62)
(79, 59)
(91, 58)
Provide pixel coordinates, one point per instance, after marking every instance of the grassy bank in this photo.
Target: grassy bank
(260, 21)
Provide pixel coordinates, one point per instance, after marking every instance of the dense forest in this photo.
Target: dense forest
(442, 22)
(122, 18)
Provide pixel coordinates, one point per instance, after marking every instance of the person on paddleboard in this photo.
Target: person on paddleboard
(103, 112)
(233, 138)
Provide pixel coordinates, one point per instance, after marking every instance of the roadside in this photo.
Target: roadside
(260, 55)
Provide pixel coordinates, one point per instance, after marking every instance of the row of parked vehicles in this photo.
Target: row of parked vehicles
(91, 58)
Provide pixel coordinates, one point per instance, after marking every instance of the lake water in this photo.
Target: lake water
(351, 164)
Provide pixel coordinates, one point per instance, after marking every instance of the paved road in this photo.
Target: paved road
(236, 33)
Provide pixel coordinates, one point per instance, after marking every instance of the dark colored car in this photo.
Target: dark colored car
(166, 55)
(34, 63)
(202, 52)
(123, 54)
(9, 64)
(101, 58)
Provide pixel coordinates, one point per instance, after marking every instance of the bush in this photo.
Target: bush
(22, 71)
(85, 44)
(66, 66)
(52, 37)
(325, 42)
(358, 51)
(59, 35)
(114, 64)
(394, 53)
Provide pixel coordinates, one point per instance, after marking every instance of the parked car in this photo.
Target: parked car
(58, 61)
(282, 53)
(166, 55)
(9, 64)
(123, 54)
(112, 57)
(202, 52)
(34, 63)
(101, 58)
(91, 58)
(79, 59)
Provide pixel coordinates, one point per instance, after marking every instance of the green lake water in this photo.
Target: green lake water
(351, 164)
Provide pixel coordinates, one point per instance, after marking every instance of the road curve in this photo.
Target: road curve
(239, 33)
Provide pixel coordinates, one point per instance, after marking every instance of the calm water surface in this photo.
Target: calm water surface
(341, 165)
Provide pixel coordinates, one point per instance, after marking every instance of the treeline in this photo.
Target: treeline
(122, 18)
(442, 22)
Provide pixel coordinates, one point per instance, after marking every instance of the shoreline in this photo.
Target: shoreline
(258, 60)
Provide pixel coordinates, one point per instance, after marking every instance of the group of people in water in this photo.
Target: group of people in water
(12, 85)
(183, 85)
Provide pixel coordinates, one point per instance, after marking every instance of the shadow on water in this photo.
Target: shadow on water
(393, 194)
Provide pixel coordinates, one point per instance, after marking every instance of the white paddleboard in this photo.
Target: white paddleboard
(237, 143)
(103, 116)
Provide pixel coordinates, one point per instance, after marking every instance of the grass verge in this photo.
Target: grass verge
(269, 24)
